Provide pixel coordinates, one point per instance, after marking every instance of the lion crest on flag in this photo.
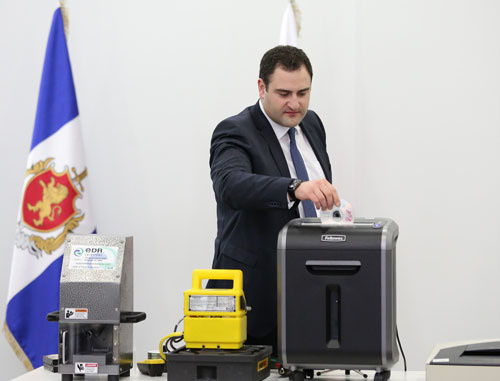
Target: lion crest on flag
(48, 210)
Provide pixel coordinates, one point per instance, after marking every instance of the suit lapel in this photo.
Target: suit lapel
(267, 132)
(317, 146)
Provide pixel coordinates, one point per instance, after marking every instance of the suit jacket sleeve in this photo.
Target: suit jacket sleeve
(239, 179)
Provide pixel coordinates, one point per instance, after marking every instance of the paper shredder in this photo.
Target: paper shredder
(337, 296)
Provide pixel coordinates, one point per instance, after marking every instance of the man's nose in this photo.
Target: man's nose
(293, 102)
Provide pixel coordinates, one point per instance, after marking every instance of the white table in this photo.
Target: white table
(41, 374)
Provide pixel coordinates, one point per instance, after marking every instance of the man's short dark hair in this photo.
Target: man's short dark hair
(287, 57)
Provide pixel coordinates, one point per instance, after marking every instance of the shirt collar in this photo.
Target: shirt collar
(278, 129)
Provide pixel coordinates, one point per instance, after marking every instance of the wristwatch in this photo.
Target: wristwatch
(294, 184)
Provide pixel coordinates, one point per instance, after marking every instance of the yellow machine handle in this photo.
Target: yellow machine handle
(235, 275)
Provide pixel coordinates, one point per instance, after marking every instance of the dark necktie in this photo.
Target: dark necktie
(300, 169)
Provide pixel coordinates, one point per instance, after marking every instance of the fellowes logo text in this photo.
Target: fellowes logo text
(333, 238)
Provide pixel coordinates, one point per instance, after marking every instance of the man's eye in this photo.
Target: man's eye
(283, 94)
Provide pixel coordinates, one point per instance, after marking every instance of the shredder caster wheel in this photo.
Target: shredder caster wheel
(66, 377)
(382, 376)
(347, 372)
(309, 373)
(283, 372)
(297, 375)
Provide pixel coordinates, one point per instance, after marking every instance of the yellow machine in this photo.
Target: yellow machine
(215, 329)
(215, 318)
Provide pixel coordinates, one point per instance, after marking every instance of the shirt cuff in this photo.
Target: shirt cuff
(290, 203)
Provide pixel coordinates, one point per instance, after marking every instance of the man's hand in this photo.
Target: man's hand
(320, 192)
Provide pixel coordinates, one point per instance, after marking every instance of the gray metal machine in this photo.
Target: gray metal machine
(96, 307)
(337, 296)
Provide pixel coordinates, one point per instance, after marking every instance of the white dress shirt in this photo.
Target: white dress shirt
(313, 166)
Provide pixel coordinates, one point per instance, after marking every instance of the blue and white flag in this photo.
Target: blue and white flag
(55, 203)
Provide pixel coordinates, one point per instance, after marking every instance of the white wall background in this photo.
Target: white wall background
(409, 93)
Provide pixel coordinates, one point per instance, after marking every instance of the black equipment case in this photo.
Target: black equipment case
(337, 296)
(250, 363)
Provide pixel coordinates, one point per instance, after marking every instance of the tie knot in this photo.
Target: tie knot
(291, 133)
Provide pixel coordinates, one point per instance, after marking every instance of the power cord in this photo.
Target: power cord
(400, 347)
(172, 338)
(167, 343)
(179, 322)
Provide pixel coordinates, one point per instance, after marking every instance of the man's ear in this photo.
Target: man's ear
(262, 88)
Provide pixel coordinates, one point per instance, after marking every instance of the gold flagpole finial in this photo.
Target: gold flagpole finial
(296, 13)
(64, 12)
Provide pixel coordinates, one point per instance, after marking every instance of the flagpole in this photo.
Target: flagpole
(64, 12)
(296, 13)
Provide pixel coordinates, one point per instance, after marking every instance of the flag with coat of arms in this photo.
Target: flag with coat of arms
(55, 203)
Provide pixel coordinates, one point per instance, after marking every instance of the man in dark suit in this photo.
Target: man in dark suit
(269, 165)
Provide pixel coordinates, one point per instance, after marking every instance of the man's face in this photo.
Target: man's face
(286, 99)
